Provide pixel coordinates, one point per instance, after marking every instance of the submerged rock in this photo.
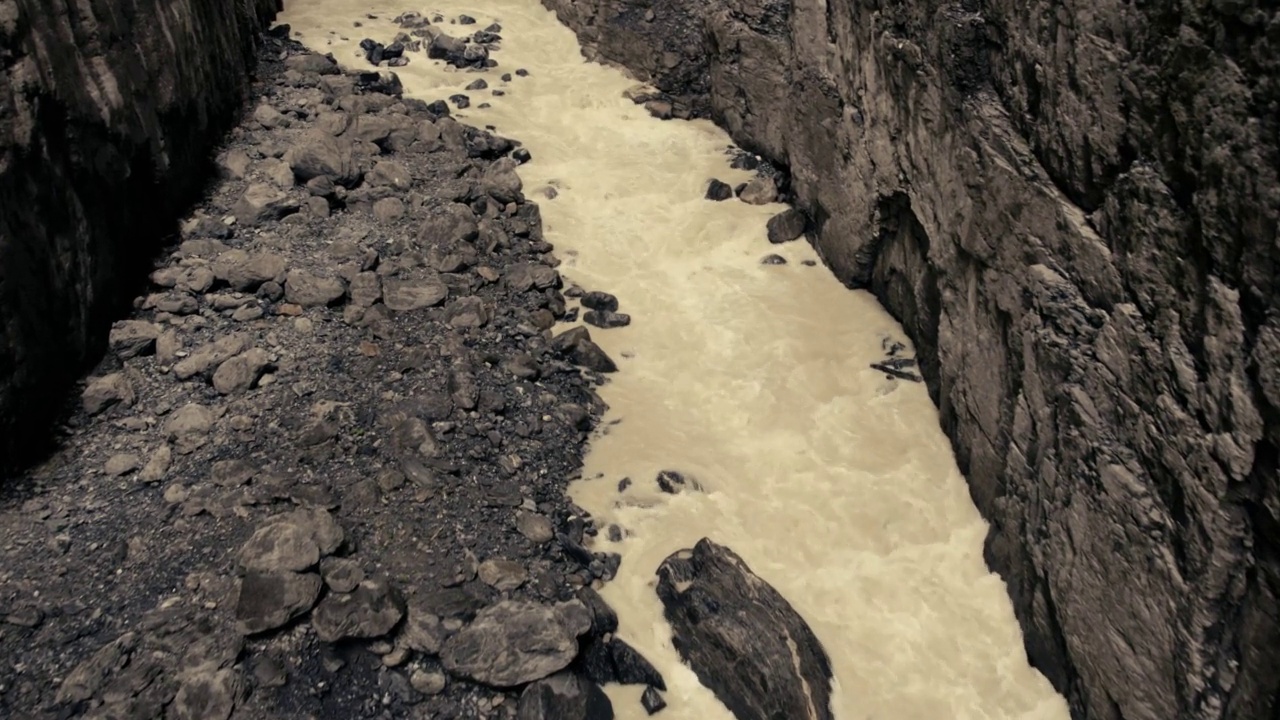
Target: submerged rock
(742, 638)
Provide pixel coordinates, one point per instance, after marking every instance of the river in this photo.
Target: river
(833, 482)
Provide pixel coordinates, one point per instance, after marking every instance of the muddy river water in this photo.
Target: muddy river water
(833, 483)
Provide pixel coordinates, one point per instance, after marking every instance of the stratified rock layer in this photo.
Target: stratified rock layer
(108, 111)
(1072, 208)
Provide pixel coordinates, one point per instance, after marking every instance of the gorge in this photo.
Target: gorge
(1070, 208)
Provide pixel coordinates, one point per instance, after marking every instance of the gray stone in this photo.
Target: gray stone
(341, 574)
(389, 173)
(448, 225)
(534, 526)
(279, 546)
(267, 601)
(211, 355)
(241, 372)
(427, 682)
(564, 696)
(86, 679)
(122, 464)
(760, 190)
(515, 642)
(500, 181)
(263, 203)
(310, 290)
(502, 575)
(245, 271)
(207, 694)
(130, 338)
(319, 154)
(372, 610)
(107, 391)
(786, 226)
(406, 294)
(423, 631)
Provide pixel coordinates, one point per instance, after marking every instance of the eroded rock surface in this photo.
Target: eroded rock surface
(1071, 208)
(742, 638)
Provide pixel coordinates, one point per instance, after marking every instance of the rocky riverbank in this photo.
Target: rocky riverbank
(321, 471)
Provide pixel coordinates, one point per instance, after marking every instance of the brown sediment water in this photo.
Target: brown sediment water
(832, 481)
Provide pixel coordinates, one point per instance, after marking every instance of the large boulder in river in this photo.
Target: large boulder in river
(742, 638)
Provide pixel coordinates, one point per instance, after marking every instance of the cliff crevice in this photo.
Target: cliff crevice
(108, 113)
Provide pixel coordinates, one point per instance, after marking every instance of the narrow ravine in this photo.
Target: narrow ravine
(831, 480)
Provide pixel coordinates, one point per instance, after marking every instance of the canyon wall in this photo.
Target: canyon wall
(108, 112)
(1072, 207)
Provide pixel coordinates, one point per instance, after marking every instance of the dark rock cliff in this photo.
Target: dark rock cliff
(108, 111)
(1072, 207)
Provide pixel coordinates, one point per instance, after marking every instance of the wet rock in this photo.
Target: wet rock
(773, 259)
(309, 290)
(605, 319)
(760, 190)
(516, 642)
(742, 638)
(651, 700)
(786, 226)
(719, 190)
(564, 696)
(672, 482)
(131, 338)
(269, 600)
(460, 101)
(600, 301)
(576, 344)
(371, 610)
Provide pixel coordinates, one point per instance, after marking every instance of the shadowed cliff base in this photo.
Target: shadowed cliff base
(1090, 249)
(108, 116)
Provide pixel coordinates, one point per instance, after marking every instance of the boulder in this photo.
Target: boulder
(741, 638)
(515, 642)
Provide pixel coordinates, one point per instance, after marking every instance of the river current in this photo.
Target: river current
(833, 482)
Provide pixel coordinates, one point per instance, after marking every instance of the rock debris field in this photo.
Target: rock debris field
(321, 470)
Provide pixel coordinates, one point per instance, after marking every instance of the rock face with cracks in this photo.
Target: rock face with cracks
(108, 112)
(1072, 209)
